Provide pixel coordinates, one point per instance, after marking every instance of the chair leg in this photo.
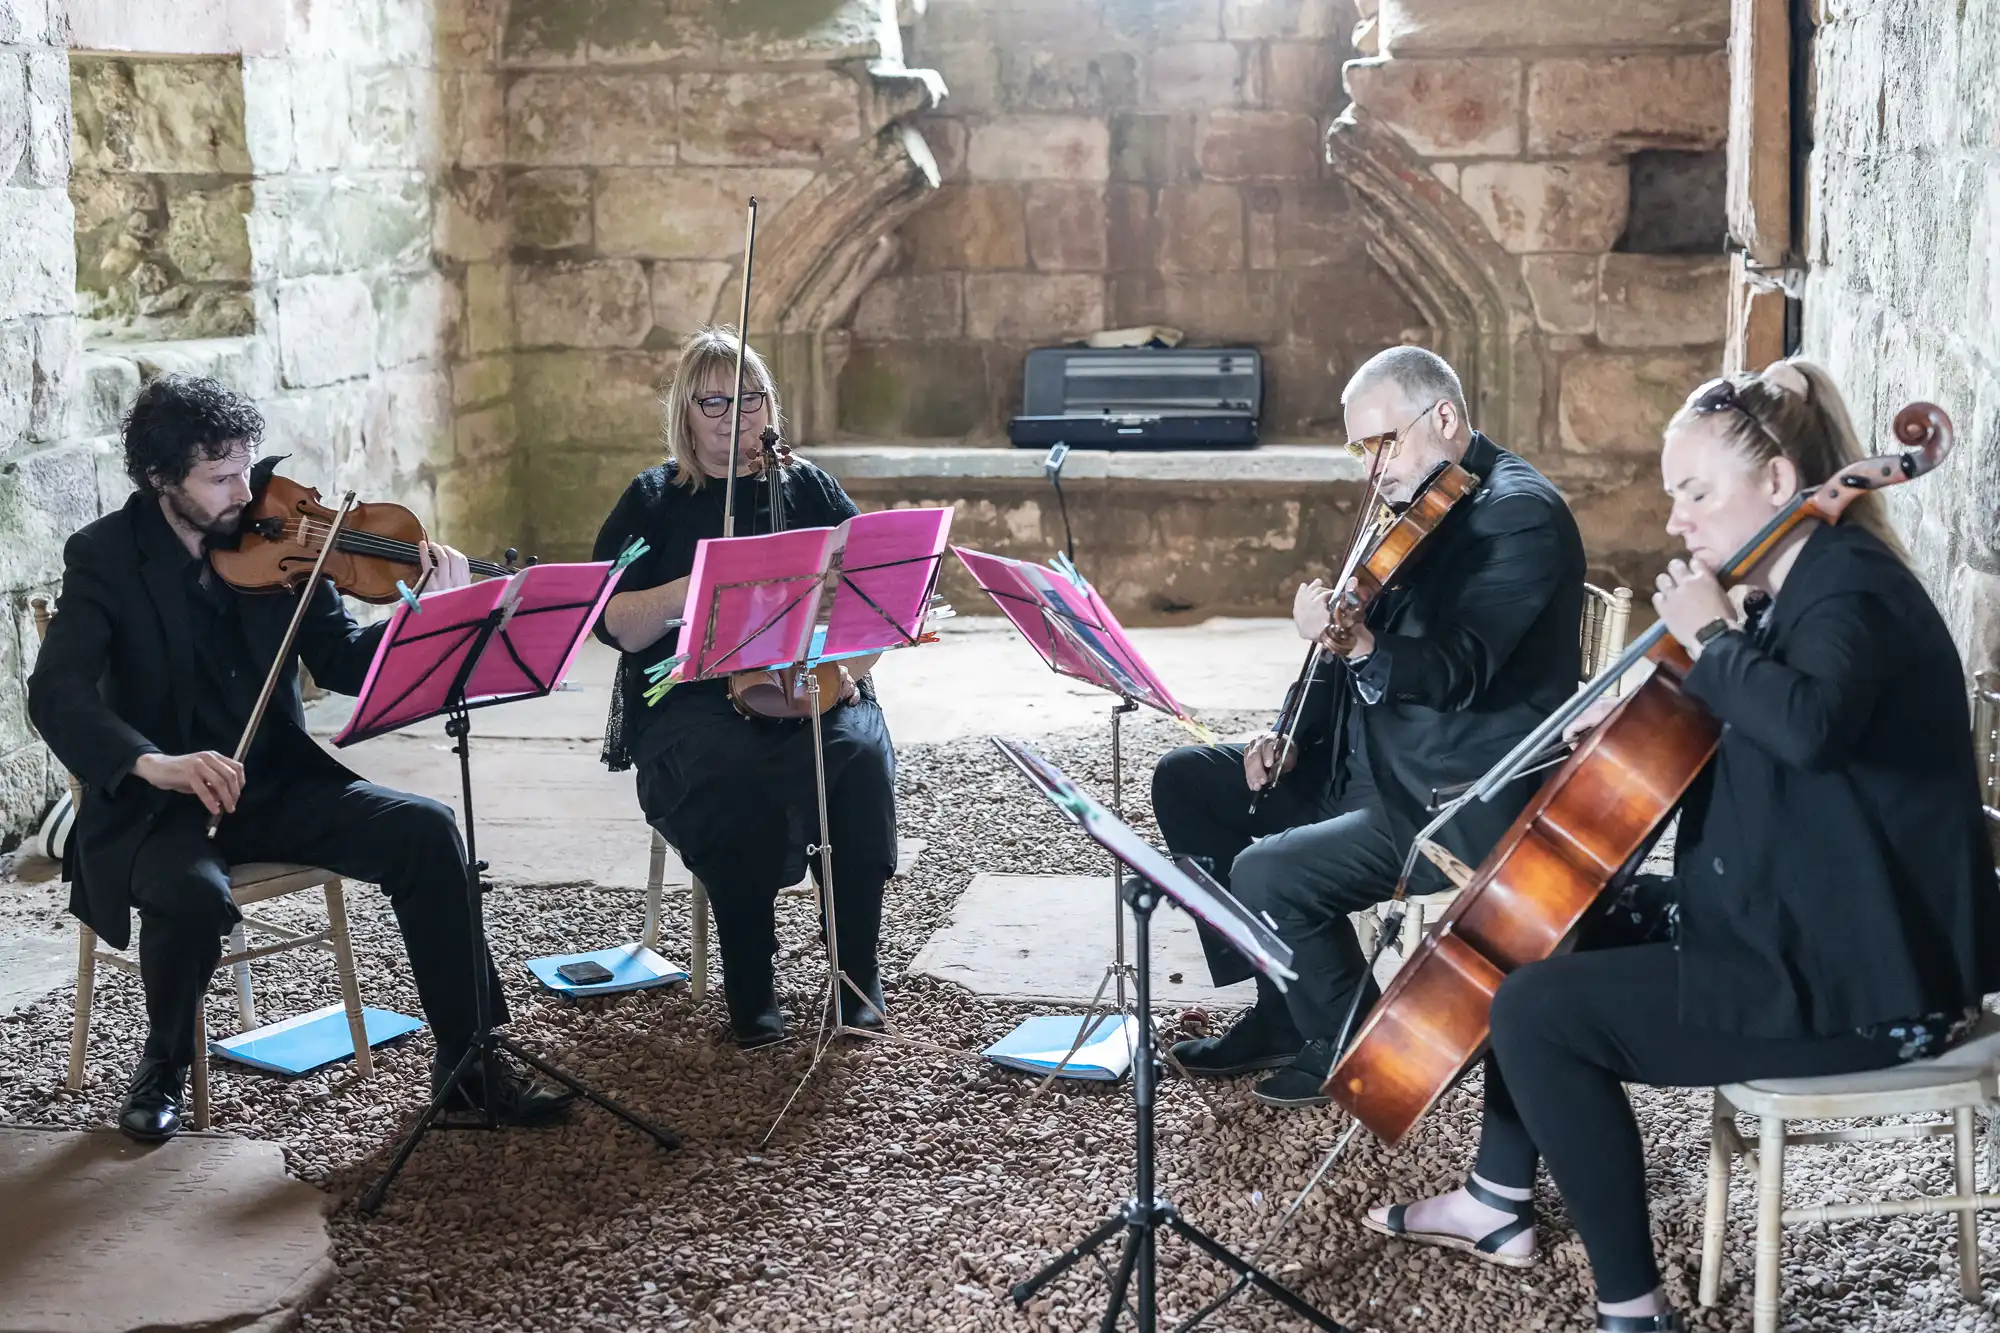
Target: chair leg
(350, 984)
(1964, 1148)
(200, 1066)
(656, 877)
(1715, 1217)
(246, 999)
(698, 953)
(86, 988)
(1770, 1222)
(1368, 929)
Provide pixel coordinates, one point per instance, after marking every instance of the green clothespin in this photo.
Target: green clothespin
(409, 598)
(631, 553)
(661, 675)
(1075, 802)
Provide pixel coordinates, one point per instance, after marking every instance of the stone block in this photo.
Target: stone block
(158, 115)
(1234, 145)
(267, 115)
(246, 365)
(28, 22)
(945, 137)
(589, 395)
(1628, 102)
(685, 293)
(1164, 20)
(1677, 202)
(417, 318)
(480, 383)
(1425, 27)
(395, 117)
(326, 330)
(1662, 300)
(320, 430)
(409, 424)
(604, 304)
(1153, 149)
(1063, 78)
(17, 381)
(44, 497)
(913, 307)
(1332, 310)
(1302, 76)
(1617, 403)
(549, 208)
(691, 213)
(1532, 207)
(1563, 289)
(13, 112)
(1033, 307)
(1444, 108)
(907, 390)
(1066, 226)
(1201, 228)
(1039, 148)
(978, 226)
(489, 308)
(1302, 225)
(109, 384)
(547, 32)
(342, 223)
(1195, 76)
(767, 116)
(37, 252)
(1254, 20)
(206, 238)
(486, 436)
(322, 107)
(58, 363)
(1209, 307)
(469, 220)
(49, 126)
(475, 119)
(468, 32)
(971, 72)
(565, 118)
(1131, 228)
(817, 32)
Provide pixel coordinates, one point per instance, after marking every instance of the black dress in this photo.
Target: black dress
(734, 796)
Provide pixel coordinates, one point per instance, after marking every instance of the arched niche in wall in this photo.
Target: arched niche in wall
(1469, 289)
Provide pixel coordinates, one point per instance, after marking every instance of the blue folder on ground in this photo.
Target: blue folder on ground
(302, 1044)
(632, 967)
(1039, 1044)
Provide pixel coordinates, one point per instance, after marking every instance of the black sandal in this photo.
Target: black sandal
(1670, 1322)
(1487, 1247)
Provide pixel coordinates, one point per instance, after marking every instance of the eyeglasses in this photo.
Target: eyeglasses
(1368, 444)
(1719, 395)
(715, 404)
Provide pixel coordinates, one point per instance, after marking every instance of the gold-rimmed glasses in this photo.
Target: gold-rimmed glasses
(1369, 444)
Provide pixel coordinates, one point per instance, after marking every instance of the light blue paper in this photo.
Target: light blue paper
(632, 967)
(1039, 1044)
(302, 1044)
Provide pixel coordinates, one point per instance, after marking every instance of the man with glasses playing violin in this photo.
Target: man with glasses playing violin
(1474, 640)
(150, 672)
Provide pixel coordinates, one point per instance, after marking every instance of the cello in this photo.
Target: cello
(1585, 831)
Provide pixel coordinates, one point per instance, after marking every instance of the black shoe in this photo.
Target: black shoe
(868, 1016)
(755, 1019)
(516, 1100)
(1299, 1083)
(1670, 1322)
(152, 1110)
(1260, 1039)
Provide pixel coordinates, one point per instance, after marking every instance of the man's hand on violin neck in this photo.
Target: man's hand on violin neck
(445, 566)
(213, 779)
(1258, 757)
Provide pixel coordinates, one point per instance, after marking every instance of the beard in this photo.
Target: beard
(216, 529)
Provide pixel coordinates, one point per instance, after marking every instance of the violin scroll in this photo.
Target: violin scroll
(1925, 430)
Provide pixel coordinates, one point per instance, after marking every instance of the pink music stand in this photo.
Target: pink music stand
(446, 654)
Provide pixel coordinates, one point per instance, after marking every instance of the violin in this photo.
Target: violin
(285, 530)
(781, 692)
(1586, 831)
(1372, 564)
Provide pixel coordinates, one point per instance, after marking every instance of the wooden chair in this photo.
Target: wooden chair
(656, 875)
(249, 884)
(1960, 1083)
(1606, 617)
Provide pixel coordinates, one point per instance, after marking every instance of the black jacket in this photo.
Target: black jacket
(116, 680)
(1476, 642)
(1833, 864)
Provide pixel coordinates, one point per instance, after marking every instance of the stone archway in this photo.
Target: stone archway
(1438, 252)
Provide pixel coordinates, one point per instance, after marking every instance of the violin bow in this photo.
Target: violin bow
(285, 645)
(736, 402)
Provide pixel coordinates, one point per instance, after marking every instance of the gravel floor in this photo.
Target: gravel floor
(907, 1190)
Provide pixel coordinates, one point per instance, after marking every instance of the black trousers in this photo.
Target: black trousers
(1313, 861)
(407, 844)
(1567, 1033)
(737, 800)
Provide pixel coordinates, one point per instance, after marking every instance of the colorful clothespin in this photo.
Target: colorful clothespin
(1074, 801)
(1195, 728)
(409, 598)
(631, 553)
(663, 678)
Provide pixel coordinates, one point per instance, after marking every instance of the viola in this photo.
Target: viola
(781, 692)
(285, 530)
(1586, 831)
(1373, 564)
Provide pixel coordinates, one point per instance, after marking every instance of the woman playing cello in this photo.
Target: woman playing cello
(734, 794)
(1832, 907)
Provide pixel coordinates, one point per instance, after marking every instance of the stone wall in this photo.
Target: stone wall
(1902, 238)
(1109, 163)
(1545, 179)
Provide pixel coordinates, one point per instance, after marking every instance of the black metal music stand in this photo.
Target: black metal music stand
(451, 674)
(1145, 1214)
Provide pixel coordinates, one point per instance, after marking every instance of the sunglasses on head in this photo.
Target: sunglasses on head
(1719, 395)
(715, 404)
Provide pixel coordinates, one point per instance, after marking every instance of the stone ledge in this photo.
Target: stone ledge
(1270, 464)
